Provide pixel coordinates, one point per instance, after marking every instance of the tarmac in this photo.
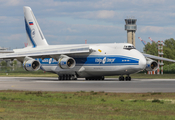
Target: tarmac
(108, 85)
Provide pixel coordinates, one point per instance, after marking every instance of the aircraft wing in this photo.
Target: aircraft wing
(6, 51)
(39, 53)
(158, 58)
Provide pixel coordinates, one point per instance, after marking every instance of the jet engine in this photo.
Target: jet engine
(66, 62)
(31, 65)
(151, 64)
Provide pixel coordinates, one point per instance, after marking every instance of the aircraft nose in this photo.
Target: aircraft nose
(142, 62)
(141, 58)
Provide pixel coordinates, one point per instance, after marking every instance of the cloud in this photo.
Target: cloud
(13, 37)
(153, 29)
(102, 14)
(11, 2)
(73, 21)
(71, 30)
(2, 18)
(62, 28)
(157, 30)
(149, 1)
(105, 14)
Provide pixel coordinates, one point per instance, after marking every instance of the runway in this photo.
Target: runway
(109, 85)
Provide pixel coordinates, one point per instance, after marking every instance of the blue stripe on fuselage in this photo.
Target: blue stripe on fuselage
(93, 60)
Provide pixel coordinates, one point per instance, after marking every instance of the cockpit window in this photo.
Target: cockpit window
(128, 47)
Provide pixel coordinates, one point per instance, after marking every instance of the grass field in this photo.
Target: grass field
(33, 74)
(26, 105)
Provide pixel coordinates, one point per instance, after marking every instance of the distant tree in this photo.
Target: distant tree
(151, 49)
(15, 62)
(4, 66)
(168, 49)
(4, 63)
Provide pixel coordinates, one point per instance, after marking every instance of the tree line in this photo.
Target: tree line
(168, 50)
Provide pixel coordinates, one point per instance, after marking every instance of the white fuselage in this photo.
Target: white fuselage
(103, 60)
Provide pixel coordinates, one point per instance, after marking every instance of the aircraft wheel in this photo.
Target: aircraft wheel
(64, 77)
(69, 77)
(120, 78)
(60, 77)
(126, 78)
(129, 78)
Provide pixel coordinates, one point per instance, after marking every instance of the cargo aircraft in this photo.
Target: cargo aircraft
(89, 61)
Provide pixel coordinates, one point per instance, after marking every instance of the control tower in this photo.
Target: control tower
(131, 28)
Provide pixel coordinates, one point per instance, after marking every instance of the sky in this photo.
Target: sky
(97, 21)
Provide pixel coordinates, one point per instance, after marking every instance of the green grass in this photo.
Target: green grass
(86, 105)
(28, 74)
(146, 76)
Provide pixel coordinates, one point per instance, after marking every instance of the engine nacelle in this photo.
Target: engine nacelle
(31, 65)
(151, 64)
(66, 62)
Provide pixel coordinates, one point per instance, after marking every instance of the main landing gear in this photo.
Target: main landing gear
(67, 77)
(127, 78)
(95, 78)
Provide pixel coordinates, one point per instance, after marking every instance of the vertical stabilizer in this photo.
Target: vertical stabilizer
(35, 36)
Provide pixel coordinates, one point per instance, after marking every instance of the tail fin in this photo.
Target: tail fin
(35, 36)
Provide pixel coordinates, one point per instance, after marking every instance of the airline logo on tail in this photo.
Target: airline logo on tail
(33, 33)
